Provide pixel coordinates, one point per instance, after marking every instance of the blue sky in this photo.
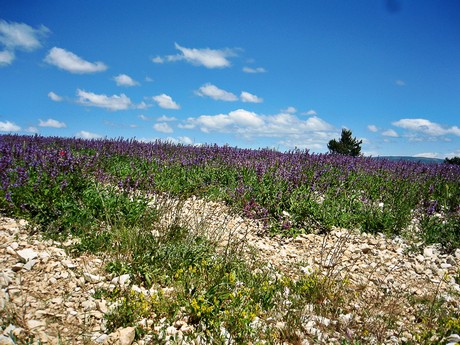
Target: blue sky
(279, 74)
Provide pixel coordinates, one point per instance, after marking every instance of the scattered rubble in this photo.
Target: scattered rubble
(51, 294)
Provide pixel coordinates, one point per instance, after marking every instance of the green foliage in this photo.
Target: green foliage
(453, 160)
(444, 230)
(347, 145)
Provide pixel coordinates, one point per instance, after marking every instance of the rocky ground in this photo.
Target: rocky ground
(50, 294)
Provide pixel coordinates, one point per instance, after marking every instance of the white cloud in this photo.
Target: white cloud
(313, 133)
(166, 102)
(390, 133)
(115, 102)
(289, 110)
(209, 58)
(8, 126)
(21, 36)
(310, 112)
(6, 58)
(180, 140)
(54, 97)
(72, 63)
(210, 90)
(427, 155)
(145, 118)
(250, 98)
(426, 127)
(125, 80)
(165, 118)
(52, 123)
(158, 59)
(148, 79)
(87, 135)
(142, 105)
(185, 140)
(372, 128)
(254, 70)
(400, 82)
(163, 127)
(31, 129)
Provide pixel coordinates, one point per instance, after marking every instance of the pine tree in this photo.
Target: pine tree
(453, 160)
(347, 145)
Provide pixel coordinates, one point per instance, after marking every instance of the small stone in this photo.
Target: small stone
(101, 338)
(69, 264)
(29, 264)
(365, 248)
(428, 252)
(124, 279)
(17, 267)
(171, 330)
(4, 340)
(419, 268)
(420, 258)
(92, 278)
(345, 319)
(57, 300)
(451, 260)
(5, 280)
(88, 305)
(27, 254)
(10, 250)
(126, 335)
(102, 306)
(32, 324)
(457, 253)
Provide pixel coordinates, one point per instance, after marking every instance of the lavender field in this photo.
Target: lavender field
(289, 192)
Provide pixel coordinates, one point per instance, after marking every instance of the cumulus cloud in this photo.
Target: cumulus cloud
(163, 127)
(212, 91)
(427, 155)
(209, 58)
(166, 102)
(144, 118)
(31, 129)
(400, 82)
(254, 70)
(72, 63)
(8, 126)
(165, 118)
(250, 98)
(158, 59)
(310, 112)
(115, 102)
(54, 97)
(87, 135)
(125, 80)
(372, 128)
(20, 36)
(6, 58)
(426, 127)
(390, 133)
(290, 110)
(52, 123)
(291, 131)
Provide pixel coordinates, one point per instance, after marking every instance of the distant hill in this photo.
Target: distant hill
(413, 159)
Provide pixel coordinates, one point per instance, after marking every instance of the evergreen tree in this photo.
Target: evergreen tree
(347, 145)
(454, 160)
